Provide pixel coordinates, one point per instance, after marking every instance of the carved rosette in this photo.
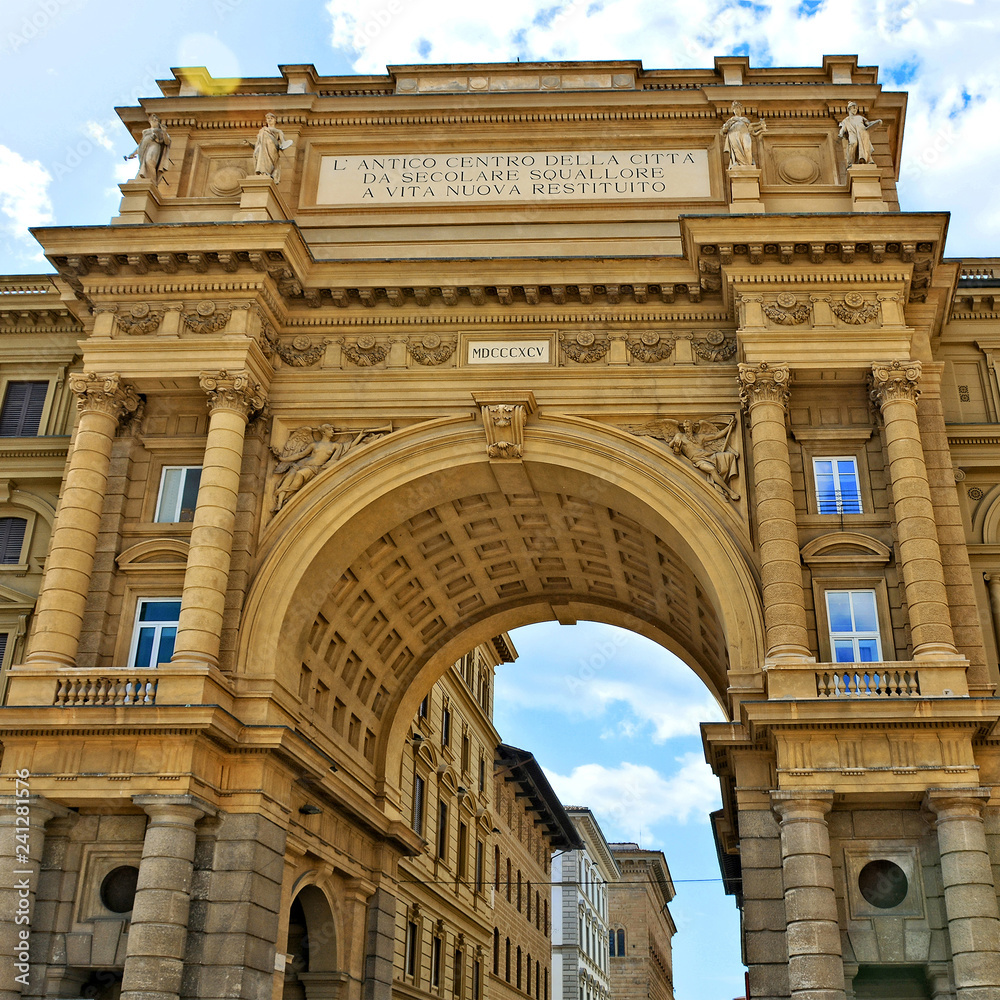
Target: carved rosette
(585, 348)
(855, 309)
(432, 350)
(233, 391)
(714, 346)
(207, 318)
(786, 310)
(764, 383)
(504, 417)
(109, 394)
(650, 347)
(894, 380)
(140, 320)
(301, 352)
(365, 352)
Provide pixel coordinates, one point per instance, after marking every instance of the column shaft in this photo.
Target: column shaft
(815, 963)
(970, 898)
(22, 837)
(55, 637)
(895, 389)
(764, 391)
(154, 962)
(206, 578)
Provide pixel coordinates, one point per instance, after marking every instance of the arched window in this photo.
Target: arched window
(519, 890)
(528, 976)
(496, 869)
(506, 972)
(529, 899)
(496, 952)
(518, 967)
(510, 887)
(620, 933)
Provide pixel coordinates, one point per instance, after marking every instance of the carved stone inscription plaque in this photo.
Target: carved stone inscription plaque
(592, 175)
(508, 352)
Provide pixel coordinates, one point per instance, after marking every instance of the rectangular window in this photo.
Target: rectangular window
(410, 950)
(463, 850)
(156, 621)
(11, 539)
(436, 963)
(466, 747)
(443, 831)
(419, 798)
(178, 493)
(21, 413)
(476, 974)
(445, 727)
(3, 645)
(422, 710)
(482, 775)
(480, 860)
(854, 634)
(837, 489)
(459, 975)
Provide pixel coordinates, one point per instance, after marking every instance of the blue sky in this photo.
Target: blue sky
(614, 721)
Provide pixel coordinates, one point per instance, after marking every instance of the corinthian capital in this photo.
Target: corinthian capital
(233, 391)
(764, 383)
(892, 380)
(108, 393)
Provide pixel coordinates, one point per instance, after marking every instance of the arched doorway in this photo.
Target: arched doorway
(311, 949)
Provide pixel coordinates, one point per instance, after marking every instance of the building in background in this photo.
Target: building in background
(580, 881)
(640, 926)
(531, 824)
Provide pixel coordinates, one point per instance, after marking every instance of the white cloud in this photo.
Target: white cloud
(631, 799)
(598, 670)
(24, 195)
(99, 134)
(942, 51)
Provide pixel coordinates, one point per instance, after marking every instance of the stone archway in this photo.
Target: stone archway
(311, 949)
(386, 569)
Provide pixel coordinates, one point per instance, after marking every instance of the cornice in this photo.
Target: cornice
(973, 434)
(354, 318)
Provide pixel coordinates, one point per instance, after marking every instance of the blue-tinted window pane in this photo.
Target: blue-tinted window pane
(838, 603)
(865, 619)
(867, 651)
(850, 495)
(843, 650)
(166, 647)
(144, 648)
(160, 611)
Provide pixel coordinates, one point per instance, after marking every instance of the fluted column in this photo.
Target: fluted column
(233, 397)
(815, 963)
(154, 961)
(970, 898)
(764, 391)
(22, 837)
(103, 400)
(895, 388)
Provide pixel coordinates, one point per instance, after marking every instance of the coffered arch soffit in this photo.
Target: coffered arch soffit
(406, 554)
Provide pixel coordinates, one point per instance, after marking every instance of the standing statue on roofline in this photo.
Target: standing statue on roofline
(739, 132)
(153, 151)
(854, 129)
(268, 148)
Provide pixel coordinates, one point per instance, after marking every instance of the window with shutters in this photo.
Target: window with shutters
(4, 636)
(21, 413)
(178, 493)
(11, 539)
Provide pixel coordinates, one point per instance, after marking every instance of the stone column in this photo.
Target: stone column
(233, 397)
(764, 391)
(993, 583)
(55, 638)
(815, 963)
(22, 838)
(380, 947)
(154, 962)
(970, 898)
(895, 389)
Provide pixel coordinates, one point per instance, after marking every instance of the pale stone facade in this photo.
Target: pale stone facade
(580, 913)
(639, 917)
(500, 344)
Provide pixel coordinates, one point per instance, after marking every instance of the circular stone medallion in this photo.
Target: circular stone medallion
(883, 884)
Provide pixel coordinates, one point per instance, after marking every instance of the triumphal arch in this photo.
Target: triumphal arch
(372, 369)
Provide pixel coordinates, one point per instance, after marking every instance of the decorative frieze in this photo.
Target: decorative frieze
(855, 309)
(365, 351)
(431, 350)
(650, 347)
(585, 348)
(714, 346)
(207, 317)
(786, 310)
(301, 352)
(141, 319)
